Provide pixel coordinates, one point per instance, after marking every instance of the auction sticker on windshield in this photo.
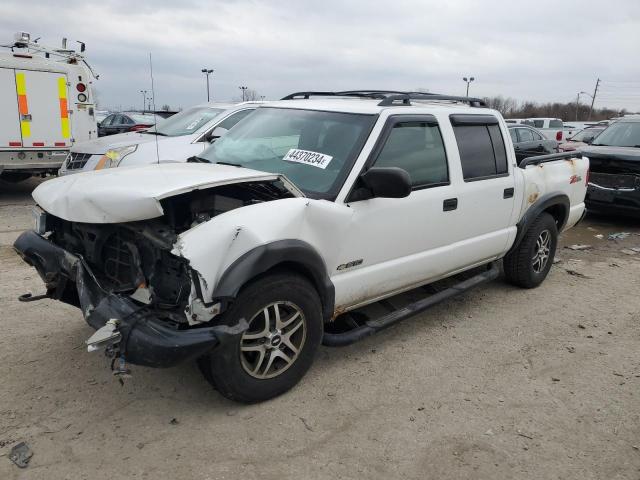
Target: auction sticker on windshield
(307, 157)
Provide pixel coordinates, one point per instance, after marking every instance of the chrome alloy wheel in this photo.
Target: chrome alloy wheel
(273, 341)
(542, 249)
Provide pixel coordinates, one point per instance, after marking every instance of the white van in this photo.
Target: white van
(47, 106)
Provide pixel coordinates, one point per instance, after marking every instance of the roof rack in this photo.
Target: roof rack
(389, 97)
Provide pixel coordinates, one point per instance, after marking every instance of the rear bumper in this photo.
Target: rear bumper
(615, 201)
(146, 340)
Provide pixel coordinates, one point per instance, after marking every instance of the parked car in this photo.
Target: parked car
(552, 128)
(614, 157)
(580, 139)
(177, 138)
(125, 122)
(528, 142)
(311, 207)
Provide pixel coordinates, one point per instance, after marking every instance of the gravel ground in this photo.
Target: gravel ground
(498, 383)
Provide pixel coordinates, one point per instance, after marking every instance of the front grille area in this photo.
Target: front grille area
(126, 256)
(76, 160)
(120, 262)
(609, 180)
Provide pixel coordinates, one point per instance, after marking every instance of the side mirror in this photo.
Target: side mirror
(589, 140)
(385, 182)
(216, 133)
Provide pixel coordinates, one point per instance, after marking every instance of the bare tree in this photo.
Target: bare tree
(250, 95)
(510, 108)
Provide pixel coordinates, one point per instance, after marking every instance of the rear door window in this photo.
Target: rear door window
(538, 123)
(525, 135)
(481, 146)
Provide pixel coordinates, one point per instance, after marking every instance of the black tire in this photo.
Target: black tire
(519, 264)
(227, 367)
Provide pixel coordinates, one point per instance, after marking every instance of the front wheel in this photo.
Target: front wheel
(529, 263)
(285, 329)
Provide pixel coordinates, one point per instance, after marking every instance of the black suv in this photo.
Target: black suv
(614, 163)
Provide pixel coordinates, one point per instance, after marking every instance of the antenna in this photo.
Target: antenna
(153, 98)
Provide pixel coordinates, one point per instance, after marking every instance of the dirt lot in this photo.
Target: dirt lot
(498, 383)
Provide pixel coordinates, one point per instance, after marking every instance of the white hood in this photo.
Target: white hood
(119, 195)
(99, 146)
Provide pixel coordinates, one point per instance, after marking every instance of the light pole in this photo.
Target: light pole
(244, 89)
(144, 98)
(207, 72)
(468, 80)
(578, 101)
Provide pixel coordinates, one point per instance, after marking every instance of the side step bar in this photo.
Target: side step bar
(375, 325)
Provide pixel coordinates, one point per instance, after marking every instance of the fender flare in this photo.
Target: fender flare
(543, 203)
(297, 253)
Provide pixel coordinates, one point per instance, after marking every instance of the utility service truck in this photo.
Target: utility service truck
(46, 105)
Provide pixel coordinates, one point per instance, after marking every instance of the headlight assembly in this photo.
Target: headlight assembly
(114, 156)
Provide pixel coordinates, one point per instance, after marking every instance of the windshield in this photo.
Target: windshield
(585, 135)
(313, 149)
(141, 118)
(620, 134)
(186, 122)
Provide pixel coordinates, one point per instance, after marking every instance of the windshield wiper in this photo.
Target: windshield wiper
(227, 163)
(155, 133)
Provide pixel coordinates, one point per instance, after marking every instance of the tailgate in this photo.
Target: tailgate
(44, 115)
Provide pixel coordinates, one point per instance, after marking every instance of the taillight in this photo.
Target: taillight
(137, 128)
(81, 87)
(559, 135)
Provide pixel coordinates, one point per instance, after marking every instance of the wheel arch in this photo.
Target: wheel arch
(555, 204)
(294, 255)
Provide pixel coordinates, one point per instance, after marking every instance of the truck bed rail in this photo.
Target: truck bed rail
(538, 159)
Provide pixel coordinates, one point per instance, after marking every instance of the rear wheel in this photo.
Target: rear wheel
(285, 329)
(528, 265)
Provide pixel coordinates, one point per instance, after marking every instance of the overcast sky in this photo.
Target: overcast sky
(540, 50)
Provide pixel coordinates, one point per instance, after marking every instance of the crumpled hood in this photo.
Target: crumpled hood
(99, 146)
(119, 195)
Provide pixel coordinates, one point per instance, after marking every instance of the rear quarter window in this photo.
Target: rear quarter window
(556, 124)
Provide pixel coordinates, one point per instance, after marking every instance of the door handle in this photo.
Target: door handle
(508, 193)
(449, 204)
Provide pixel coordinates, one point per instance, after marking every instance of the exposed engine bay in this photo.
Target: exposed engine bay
(134, 258)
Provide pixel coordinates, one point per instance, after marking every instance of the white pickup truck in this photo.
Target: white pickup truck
(307, 213)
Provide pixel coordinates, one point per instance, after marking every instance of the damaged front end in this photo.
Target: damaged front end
(145, 302)
(614, 182)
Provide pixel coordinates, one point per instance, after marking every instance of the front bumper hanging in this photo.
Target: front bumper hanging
(145, 340)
